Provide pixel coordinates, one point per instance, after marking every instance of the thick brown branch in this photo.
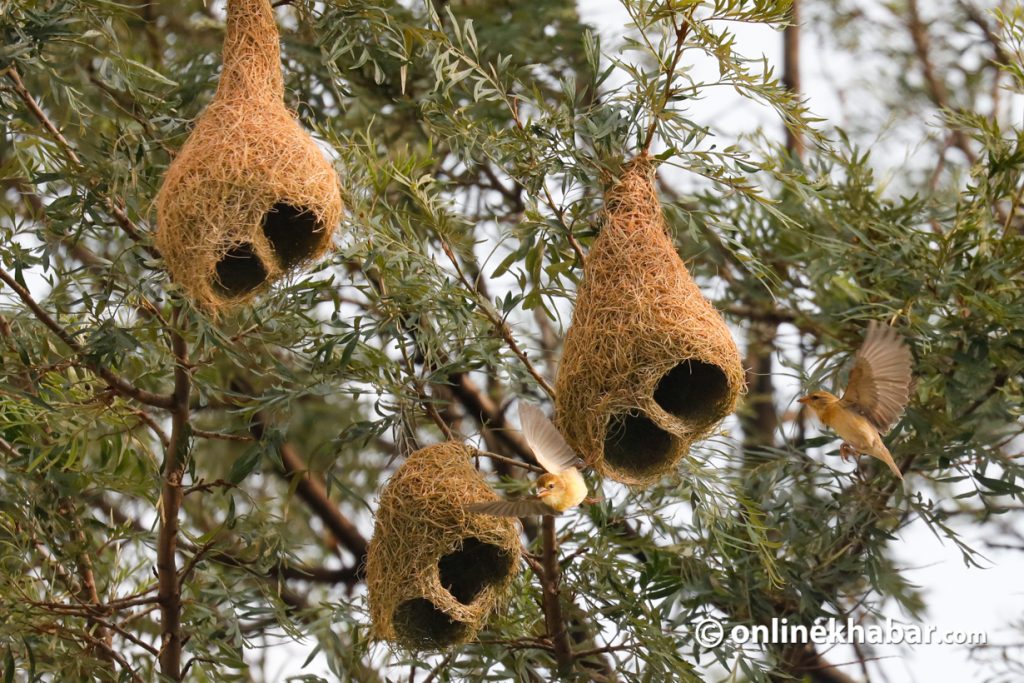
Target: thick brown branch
(115, 381)
(550, 579)
(936, 87)
(482, 409)
(314, 493)
(759, 419)
(175, 460)
(791, 73)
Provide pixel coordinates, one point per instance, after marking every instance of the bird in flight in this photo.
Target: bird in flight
(874, 399)
(562, 486)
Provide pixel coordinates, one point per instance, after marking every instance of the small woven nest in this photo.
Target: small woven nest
(648, 365)
(434, 571)
(250, 196)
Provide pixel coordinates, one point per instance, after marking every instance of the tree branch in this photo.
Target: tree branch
(115, 381)
(499, 324)
(681, 31)
(482, 409)
(791, 73)
(936, 88)
(176, 458)
(550, 580)
(113, 209)
(312, 490)
(805, 661)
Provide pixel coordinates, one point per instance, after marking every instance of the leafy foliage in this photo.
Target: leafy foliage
(473, 142)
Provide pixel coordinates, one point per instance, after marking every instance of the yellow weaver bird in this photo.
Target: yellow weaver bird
(561, 489)
(874, 399)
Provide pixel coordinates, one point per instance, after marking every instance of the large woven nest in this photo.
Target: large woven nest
(434, 571)
(250, 196)
(648, 365)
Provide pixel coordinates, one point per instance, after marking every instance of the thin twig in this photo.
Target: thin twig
(115, 211)
(681, 31)
(7, 449)
(437, 669)
(977, 17)
(89, 591)
(221, 436)
(499, 324)
(511, 461)
(127, 635)
(148, 420)
(115, 381)
(111, 653)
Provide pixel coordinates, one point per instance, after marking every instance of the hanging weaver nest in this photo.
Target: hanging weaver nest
(250, 196)
(434, 571)
(648, 365)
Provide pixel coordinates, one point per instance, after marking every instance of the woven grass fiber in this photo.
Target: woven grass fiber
(648, 366)
(434, 571)
(250, 196)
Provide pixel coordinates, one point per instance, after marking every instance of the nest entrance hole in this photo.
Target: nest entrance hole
(239, 271)
(420, 622)
(467, 571)
(693, 391)
(294, 233)
(634, 444)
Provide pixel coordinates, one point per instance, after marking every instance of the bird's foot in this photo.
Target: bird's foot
(846, 451)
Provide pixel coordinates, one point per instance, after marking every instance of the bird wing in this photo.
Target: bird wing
(525, 507)
(546, 442)
(879, 386)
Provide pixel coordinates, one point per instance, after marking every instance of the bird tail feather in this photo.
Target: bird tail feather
(885, 456)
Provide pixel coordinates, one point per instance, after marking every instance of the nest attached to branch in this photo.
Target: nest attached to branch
(433, 570)
(250, 196)
(649, 365)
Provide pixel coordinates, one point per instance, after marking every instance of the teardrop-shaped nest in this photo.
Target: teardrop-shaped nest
(648, 366)
(250, 196)
(434, 571)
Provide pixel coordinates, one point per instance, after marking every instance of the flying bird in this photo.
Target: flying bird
(875, 397)
(560, 489)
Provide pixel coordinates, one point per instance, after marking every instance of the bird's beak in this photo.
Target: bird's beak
(543, 492)
(804, 399)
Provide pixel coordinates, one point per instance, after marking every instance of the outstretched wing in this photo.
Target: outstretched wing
(546, 442)
(880, 381)
(526, 507)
